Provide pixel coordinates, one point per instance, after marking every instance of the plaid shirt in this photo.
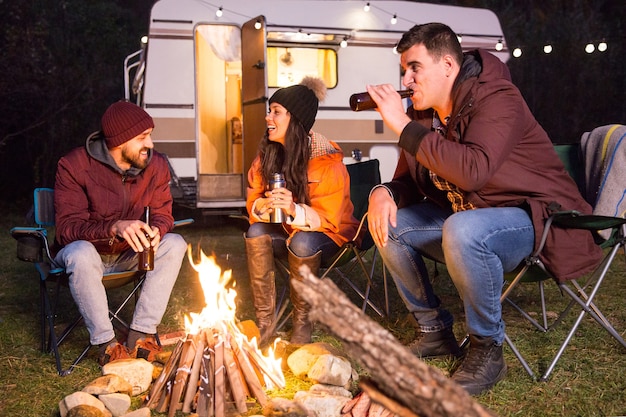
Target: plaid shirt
(455, 195)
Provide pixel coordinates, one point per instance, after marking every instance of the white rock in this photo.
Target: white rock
(78, 398)
(138, 372)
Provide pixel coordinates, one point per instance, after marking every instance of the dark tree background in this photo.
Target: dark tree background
(62, 64)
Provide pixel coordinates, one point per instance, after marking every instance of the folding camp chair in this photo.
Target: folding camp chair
(363, 177)
(33, 246)
(582, 296)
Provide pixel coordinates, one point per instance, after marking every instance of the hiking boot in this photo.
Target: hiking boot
(147, 349)
(113, 352)
(482, 367)
(432, 344)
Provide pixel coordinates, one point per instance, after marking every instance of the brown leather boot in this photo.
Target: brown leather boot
(260, 256)
(302, 327)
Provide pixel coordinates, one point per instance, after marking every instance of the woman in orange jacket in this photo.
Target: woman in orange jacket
(314, 200)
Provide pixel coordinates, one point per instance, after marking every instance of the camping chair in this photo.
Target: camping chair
(579, 295)
(33, 246)
(363, 177)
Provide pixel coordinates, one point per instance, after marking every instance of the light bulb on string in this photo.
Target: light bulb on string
(459, 38)
(344, 42)
(258, 25)
(602, 46)
(219, 12)
(547, 49)
(517, 52)
(366, 8)
(589, 48)
(394, 19)
(499, 45)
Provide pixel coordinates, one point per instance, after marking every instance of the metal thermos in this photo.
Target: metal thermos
(277, 181)
(146, 258)
(363, 101)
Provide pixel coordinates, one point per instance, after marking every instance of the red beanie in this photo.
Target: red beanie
(122, 121)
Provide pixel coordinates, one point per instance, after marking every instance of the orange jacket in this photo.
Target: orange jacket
(329, 191)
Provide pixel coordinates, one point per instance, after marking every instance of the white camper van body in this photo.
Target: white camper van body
(206, 79)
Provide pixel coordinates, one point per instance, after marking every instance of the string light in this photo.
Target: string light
(394, 19)
(344, 42)
(499, 45)
(547, 48)
(219, 12)
(459, 38)
(366, 8)
(602, 46)
(589, 48)
(258, 25)
(517, 52)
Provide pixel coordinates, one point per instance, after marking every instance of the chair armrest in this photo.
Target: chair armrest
(31, 241)
(183, 222)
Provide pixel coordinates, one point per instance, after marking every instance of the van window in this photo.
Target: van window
(287, 66)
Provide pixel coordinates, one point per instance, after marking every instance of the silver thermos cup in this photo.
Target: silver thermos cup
(277, 181)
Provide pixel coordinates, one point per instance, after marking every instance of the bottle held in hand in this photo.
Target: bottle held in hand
(277, 181)
(363, 101)
(146, 258)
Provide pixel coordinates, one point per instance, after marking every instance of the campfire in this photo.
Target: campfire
(214, 366)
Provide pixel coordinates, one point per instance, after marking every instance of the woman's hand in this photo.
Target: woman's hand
(280, 198)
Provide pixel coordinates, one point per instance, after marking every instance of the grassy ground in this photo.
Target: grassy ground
(589, 380)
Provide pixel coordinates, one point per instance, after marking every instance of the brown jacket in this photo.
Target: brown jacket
(499, 155)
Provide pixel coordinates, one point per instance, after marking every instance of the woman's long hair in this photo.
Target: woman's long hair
(292, 159)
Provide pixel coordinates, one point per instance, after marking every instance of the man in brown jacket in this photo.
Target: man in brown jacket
(100, 193)
(476, 179)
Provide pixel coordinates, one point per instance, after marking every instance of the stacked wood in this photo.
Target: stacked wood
(399, 381)
(211, 371)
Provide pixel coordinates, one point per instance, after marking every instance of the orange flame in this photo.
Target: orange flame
(219, 314)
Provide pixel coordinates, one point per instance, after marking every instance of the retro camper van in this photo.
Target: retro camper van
(208, 68)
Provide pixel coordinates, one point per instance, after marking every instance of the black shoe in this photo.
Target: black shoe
(482, 367)
(431, 344)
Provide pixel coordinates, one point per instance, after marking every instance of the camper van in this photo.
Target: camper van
(207, 69)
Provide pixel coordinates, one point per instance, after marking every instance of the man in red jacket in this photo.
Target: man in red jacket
(476, 179)
(101, 191)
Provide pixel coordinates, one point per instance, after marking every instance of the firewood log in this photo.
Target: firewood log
(399, 375)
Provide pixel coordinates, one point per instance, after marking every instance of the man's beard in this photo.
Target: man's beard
(135, 160)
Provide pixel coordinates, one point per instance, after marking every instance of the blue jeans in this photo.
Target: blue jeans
(86, 266)
(302, 244)
(477, 246)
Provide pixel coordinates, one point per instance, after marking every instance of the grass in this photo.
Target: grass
(589, 380)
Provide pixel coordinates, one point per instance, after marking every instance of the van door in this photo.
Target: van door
(253, 86)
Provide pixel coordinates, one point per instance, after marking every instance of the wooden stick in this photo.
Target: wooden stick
(220, 385)
(192, 384)
(182, 374)
(166, 374)
(259, 362)
(236, 382)
(250, 376)
(204, 392)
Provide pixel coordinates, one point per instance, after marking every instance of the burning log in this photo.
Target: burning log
(214, 366)
(403, 381)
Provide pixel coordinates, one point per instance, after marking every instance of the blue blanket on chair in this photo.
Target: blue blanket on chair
(604, 155)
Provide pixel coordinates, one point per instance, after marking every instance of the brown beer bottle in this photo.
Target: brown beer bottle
(363, 101)
(146, 258)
